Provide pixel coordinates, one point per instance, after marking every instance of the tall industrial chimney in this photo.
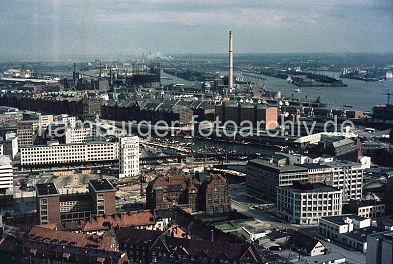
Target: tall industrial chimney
(230, 83)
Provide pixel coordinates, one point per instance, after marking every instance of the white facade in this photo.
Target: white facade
(129, 157)
(69, 153)
(6, 175)
(45, 120)
(78, 135)
(307, 206)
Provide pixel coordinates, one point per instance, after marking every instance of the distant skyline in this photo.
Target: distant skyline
(57, 29)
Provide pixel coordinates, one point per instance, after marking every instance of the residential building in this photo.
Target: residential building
(306, 203)
(150, 246)
(54, 208)
(129, 157)
(365, 208)
(6, 176)
(380, 248)
(45, 245)
(305, 244)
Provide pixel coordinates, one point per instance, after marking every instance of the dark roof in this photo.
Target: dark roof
(269, 165)
(130, 234)
(46, 189)
(305, 187)
(360, 235)
(302, 242)
(82, 197)
(101, 185)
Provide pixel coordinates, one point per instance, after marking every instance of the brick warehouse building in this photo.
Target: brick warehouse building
(53, 207)
(199, 192)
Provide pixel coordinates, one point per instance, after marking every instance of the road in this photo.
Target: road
(237, 193)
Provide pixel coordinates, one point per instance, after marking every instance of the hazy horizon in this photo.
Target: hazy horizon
(55, 29)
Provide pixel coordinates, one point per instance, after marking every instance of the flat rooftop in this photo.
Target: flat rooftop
(101, 185)
(310, 187)
(273, 166)
(46, 189)
(339, 219)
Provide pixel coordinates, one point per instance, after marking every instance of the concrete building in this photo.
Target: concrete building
(10, 145)
(54, 208)
(129, 157)
(365, 208)
(349, 229)
(380, 248)
(56, 153)
(265, 175)
(6, 176)
(25, 132)
(306, 203)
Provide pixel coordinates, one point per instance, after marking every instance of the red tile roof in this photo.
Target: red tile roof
(41, 234)
(125, 219)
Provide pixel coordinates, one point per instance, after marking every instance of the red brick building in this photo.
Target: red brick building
(53, 207)
(200, 192)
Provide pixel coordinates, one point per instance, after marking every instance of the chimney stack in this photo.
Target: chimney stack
(230, 79)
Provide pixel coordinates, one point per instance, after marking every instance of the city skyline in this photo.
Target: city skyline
(57, 29)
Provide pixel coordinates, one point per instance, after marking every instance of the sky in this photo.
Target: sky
(55, 29)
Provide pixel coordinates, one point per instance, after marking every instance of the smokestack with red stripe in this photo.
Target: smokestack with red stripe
(230, 79)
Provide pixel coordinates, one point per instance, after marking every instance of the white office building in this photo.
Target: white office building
(6, 176)
(129, 157)
(306, 203)
(55, 153)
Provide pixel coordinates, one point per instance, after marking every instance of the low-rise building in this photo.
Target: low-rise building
(331, 258)
(306, 203)
(305, 244)
(366, 208)
(349, 229)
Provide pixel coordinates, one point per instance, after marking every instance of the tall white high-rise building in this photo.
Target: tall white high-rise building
(129, 157)
(6, 176)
